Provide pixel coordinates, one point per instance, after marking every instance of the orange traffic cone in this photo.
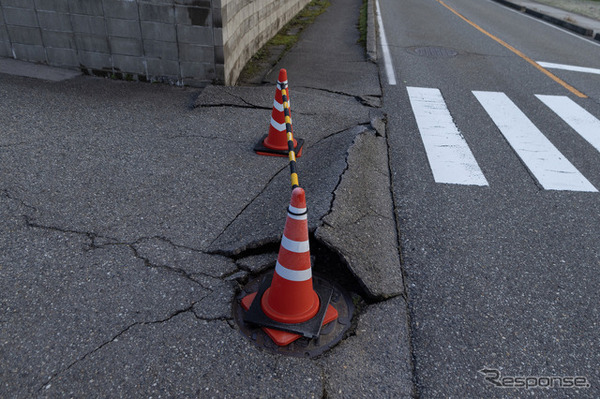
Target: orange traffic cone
(291, 298)
(290, 307)
(276, 143)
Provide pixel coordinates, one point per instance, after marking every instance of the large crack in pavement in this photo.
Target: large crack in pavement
(208, 100)
(368, 100)
(266, 185)
(339, 117)
(48, 384)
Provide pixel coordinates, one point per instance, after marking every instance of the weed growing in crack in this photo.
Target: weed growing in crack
(362, 24)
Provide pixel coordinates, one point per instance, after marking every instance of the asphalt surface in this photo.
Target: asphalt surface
(132, 214)
(500, 276)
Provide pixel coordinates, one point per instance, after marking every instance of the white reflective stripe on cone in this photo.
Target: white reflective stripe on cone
(293, 275)
(298, 211)
(297, 217)
(278, 106)
(277, 125)
(295, 246)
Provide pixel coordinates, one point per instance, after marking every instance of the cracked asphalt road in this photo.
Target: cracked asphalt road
(131, 214)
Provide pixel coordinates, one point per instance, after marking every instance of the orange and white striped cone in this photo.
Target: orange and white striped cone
(291, 298)
(275, 143)
(290, 307)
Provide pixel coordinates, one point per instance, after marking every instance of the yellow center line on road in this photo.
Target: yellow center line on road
(517, 52)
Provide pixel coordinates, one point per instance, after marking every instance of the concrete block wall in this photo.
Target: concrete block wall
(180, 41)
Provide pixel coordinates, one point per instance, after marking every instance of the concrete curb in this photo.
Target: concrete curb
(371, 32)
(553, 20)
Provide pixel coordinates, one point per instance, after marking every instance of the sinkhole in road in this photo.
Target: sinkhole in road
(328, 268)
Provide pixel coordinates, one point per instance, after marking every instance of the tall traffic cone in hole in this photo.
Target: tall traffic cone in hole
(275, 143)
(290, 307)
(291, 298)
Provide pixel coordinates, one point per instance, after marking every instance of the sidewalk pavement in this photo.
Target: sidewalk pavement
(584, 25)
(131, 215)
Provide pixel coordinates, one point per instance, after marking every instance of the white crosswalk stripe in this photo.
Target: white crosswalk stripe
(578, 118)
(552, 170)
(452, 161)
(550, 65)
(448, 153)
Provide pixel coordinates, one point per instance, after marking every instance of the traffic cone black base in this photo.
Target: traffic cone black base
(282, 333)
(309, 329)
(260, 148)
(338, 319)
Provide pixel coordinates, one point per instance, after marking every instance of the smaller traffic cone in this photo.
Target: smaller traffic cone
(275, 143)
(290, 308)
